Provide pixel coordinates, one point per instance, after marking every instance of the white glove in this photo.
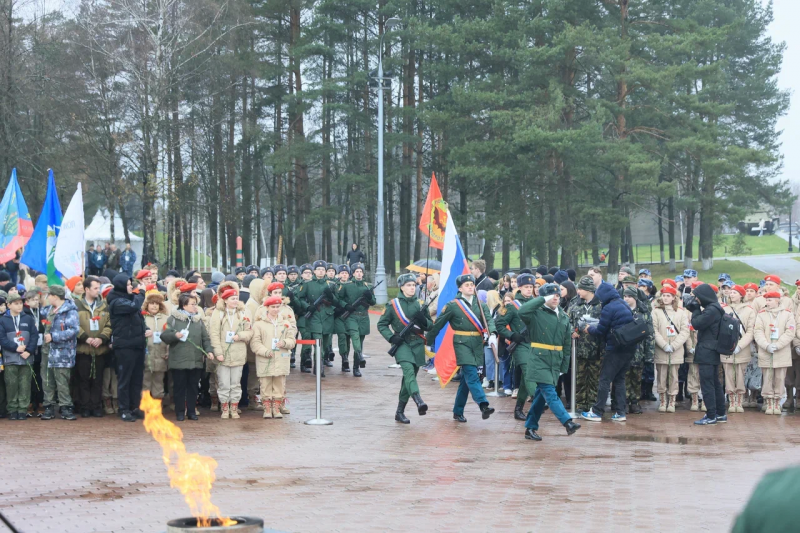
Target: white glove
(493, 341)
(430, 348)
(797, 350)
(691, 351)
(548, 298)
(737, 350)
(772, 348)
(669, 349)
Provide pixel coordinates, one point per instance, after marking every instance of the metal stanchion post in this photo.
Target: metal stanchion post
(497, 393)
(319, 421)
(573, 364)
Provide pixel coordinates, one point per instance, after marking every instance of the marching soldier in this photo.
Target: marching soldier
(339, 327)
(775, 329)
(472, 324)
(549, 357)
(511, 328)
(588, 349)
(318, 296)
(306, 273)
(410, 355)
(357, 296)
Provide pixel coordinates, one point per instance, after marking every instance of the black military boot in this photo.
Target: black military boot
(422, 407)
(49, 413)
(571, 427)
(459, 418)
(519, 414)
(399, 416)
(67, 413)
(292, 363)
(634, 408)
(305, 367)
(680, 397)
(486, 411)
(328, 359)
(532, 435)
(346, 363)
(322, 375)
(357, 366)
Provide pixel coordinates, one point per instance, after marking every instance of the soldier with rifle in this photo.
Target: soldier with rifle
(511, 328)
(357, 296)
(317, 298)
(306, 274)
(403, 324)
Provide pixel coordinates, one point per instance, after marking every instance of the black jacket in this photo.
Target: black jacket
(614, 313)
(127, 322)
(706, 323)
(355, 256)
(484, 283)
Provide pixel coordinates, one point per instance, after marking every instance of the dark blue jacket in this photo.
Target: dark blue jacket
(29, 331)
(98, 259)
(613, 314)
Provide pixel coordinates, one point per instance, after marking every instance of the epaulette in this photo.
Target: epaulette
(763, 310)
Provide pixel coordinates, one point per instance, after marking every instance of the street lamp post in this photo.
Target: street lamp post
(381, 294)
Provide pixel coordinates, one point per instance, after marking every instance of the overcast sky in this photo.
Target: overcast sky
(784, 28)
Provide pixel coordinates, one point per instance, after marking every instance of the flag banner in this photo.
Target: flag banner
(41, 247)
(454, 264)
(68, 255)
(434, 216)
(16, 227)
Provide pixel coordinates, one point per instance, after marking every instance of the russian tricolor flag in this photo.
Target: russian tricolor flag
(454, 264)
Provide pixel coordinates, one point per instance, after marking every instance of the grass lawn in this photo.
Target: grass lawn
(766, 245)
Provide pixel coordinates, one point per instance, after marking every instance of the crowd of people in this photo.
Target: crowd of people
(91, 346)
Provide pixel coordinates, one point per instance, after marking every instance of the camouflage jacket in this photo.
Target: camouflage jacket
(645, 350)
(588, 346)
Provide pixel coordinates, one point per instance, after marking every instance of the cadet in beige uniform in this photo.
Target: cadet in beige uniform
(671, 327)
(775, 329)
(736, 363)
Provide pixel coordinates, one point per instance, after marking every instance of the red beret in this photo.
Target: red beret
(670, 282)
(714, 287)
(669, 290)
(107, 290)
(741, 290)
(180, 283)
(275, 286)
(773, 278)
(797, 282)
(273, 300)
(227, 293)
(696, 284)
(214, 298)
(188, 287)
(773, 294)
(150, 287)
(751, 286)
(143, 274)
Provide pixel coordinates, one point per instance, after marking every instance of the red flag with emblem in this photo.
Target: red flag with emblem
(434, 216)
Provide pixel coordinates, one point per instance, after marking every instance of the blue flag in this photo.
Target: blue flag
(16, 226)
(40, 250)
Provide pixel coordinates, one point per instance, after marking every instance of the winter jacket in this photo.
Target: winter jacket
(613, 314)
(64, 328)
(351, 292)
(468, 348)
(747, 316)
(547, 327)
(355, 256)
(645, 350)
(587, 347)
(98, 260)
(185, 354)
(484, 283)
(127, 322)
(509, 323)
(671, 328)
(127, 259)
(706, 323)
(220, 323)
(760, 303)
(412, 349)
(781, 321)
(103, 330)
(113, 260)
(8, 334)
(157, 353)
(321, 320)
(271, 362)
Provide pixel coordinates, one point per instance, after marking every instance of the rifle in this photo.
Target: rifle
(404, 333)
(513, 345)
(315, 306)
(358, 302)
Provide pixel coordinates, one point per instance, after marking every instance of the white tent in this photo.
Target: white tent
(99, 233)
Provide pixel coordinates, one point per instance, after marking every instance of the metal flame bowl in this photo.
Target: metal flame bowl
(244, 524)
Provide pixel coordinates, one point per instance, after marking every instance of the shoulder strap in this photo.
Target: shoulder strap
(741, 322)
(668, 318)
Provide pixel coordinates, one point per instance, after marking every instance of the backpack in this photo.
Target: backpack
(632, 333)
(730, 331)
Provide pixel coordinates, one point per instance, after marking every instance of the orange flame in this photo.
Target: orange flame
(190, 473)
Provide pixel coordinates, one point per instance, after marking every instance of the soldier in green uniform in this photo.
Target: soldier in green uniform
(645, 350)
(339, 326)
(281, 276)
(588, 349)
(331, 271)
(357, 296)
(293, 273)
(466, 314)
(550, 331)
(410, 353)
(302, 324)
(321, 322)
(518, 334)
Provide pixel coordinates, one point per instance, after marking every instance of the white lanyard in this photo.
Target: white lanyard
(16, 323)
(230, 321)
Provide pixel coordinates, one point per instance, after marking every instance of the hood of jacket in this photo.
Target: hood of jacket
(120, 283)
(606, 293)
(177, 314)
(257, 287)
(705, 294)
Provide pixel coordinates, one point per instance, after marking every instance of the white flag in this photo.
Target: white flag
(68, 256)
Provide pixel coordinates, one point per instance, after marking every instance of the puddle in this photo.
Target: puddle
(659, 439)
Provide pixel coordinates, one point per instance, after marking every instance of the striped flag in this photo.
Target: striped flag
(16, 227)
(454, 264)
(40, 251)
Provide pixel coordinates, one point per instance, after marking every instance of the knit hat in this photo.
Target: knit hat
(143, 273)
(343, 268)
(71, 283)
(248, 279)
(670, 282)
(274, 286)
(560, 276)
(586, 283)
(689, 273)
(357, 266)
(173, 273)
(572, 274)
(541, 270)
(552, 271)
(188, 287)
(628, 270)
(526, 271)
(189, 273)
(58, 290)
(279, 268)
(13, 298)
(273, 300)
(402, 279)
(460, 280)
(525, 279)
(493, 274)
(540, 281)
(751, 286)
(217, 277)
(771, 294)
(741, 290)
(549, 289)
(319, 264)
(773, 278)
(669, 290)
(631, 292)
(227, 293)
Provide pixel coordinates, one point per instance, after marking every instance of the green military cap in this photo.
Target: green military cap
(58, 290)
(630, 279)
(14, 298)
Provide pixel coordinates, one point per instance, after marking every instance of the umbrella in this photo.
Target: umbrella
(433, 266)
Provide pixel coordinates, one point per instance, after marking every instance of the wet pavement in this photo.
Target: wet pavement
(656, 472)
